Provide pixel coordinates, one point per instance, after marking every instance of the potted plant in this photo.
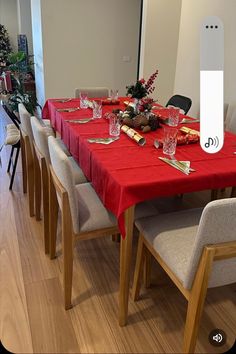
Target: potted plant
(20, 66)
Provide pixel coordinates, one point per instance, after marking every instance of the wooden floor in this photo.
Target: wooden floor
(32, 317)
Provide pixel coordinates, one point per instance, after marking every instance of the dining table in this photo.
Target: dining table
(124, 173)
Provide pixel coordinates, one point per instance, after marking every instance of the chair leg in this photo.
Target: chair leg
(67, 251)
(138, 269)
(30, 180)
(147, 268)
(53, 218)
(45, 208)
(10, 159)
(196, 300)
(37, 188)
(214, 194)
(23, 161)
(233, 192)
(14, 167)
(115, 238)
(195, 308)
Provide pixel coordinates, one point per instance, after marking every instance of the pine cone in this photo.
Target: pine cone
(153, 122)
(140, 120)
(128, 121)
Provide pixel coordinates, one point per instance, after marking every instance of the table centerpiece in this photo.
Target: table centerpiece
(138, 112)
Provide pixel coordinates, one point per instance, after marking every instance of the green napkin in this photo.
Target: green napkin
(78, 121)
(70, 109)
(183, 166)
(189, 121)
(105, 141)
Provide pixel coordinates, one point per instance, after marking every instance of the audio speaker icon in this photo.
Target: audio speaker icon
(212, 141)
(218, 338)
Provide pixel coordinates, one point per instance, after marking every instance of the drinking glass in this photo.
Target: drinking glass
(173, 116)
(114, 94)
(170, 140)
(83, 99)
(114, 125)
(97, 109)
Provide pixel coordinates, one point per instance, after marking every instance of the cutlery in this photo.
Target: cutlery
(189, 121)
(173, 164)
(181, 164)
(102, 140)
(78, 121)
(63, 100)
(156, 144)
(72, 109)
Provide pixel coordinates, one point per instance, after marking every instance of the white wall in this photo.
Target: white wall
(38, 50)
(187, 69)
(8, 18)
(160, 35)
(84, 42)
(24, 21)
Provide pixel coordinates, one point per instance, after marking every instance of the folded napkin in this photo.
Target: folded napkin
(189, 121)
(183, 166)
(78, 121)
(63, 100)
(69, 109)
(105, 141)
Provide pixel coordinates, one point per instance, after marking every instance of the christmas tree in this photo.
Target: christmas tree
(5, 47)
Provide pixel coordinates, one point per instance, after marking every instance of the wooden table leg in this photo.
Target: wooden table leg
(125, 261)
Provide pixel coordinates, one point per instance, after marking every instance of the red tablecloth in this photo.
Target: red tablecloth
(124, 173)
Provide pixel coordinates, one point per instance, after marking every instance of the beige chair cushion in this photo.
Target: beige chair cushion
(78, 174)
(41, 134)
(179, 238)
(25, 121)
(12, 135)
(92, 213)
(230, 123)
(62, 166)
(172, 236)
(217, 225)
(93, 91)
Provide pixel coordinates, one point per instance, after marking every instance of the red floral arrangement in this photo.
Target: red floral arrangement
(142, 88)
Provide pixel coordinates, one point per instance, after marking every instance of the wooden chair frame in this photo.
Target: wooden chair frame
(196, 295)
(17, 146)
(41, 169)
(29, 162)
(68, 235)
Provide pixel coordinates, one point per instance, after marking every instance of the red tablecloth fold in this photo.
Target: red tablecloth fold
(124, 173)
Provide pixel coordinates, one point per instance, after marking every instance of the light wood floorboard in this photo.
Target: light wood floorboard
(32, 317)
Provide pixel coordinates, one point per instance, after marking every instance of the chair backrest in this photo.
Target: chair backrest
(63, 171)
(41, 134)
(93, 91)
(25, 121)
(230, 123)
(182, 102)
(217, 225)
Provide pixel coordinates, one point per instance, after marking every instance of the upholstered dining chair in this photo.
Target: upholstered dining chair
(83, 214)
(231, 118)
(12, 139)
(197, 249)
(27, 158)
(93, 91)
(42, 162)
(183, 102)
